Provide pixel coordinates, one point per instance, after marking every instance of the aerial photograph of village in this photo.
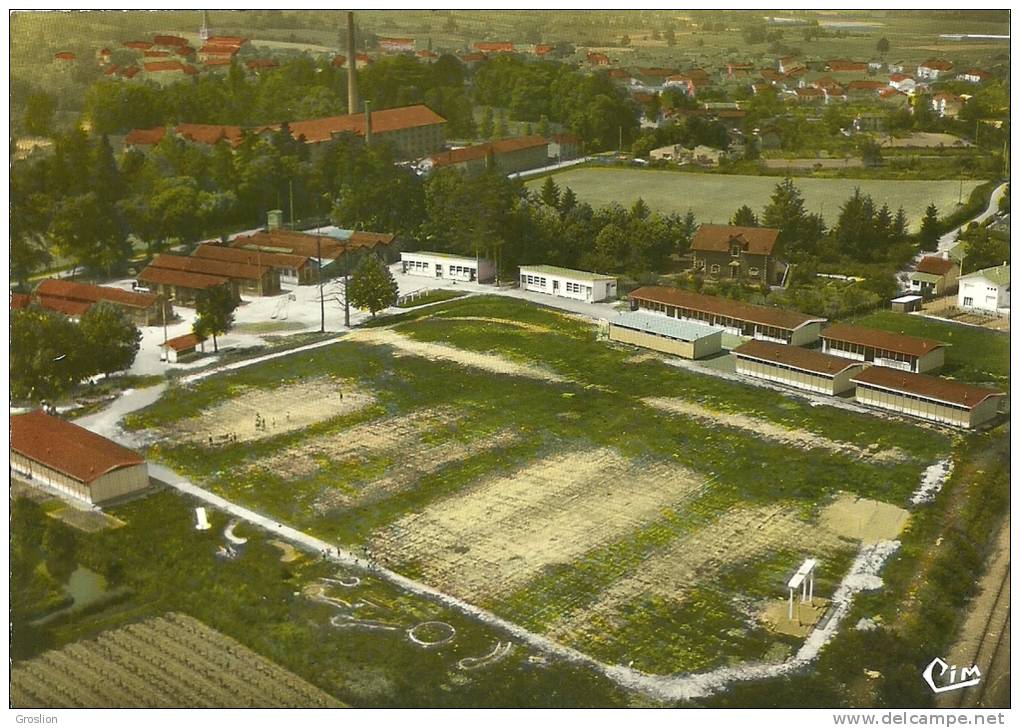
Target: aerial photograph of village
(509, 359)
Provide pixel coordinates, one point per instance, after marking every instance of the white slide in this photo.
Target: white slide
(203, 522)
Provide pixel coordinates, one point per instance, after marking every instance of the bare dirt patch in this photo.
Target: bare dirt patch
(866, 520)
(89, 521)
(777, 433)
(283, 409)
(411, 461)
(500, 533)
(443, 352)
(739, 535)
(360, 441)
(288, 553)
(776, 615)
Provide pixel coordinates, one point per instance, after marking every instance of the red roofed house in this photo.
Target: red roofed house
(129, 71)
(180, 346)
(261, 64)
(165, 69)
(498, 47)
(428, 55)
(138, 45)
(169, 41)
(931, 398)
(884, 348)
(810, 95)
(974, 75)
(293, 269)
(155, 54)
(947, 104)
(738, 253)
(59, 455)
(598, 59)
(861, 88)
(564, 146)
(145, 137)
(210, 52)
(508, 155)
(934, 69)
(396, 45)
(935, 276)
(20, 301)
(842, 66)
(64, 56)
(544, 49)
(143, 309)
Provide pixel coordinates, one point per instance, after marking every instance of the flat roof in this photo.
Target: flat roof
(880, 339)
(581, 275)
(68, 448)
(808, 360)
(445, 256)
(664, 326)
(908, 299)
(924, 385)
(779, 318)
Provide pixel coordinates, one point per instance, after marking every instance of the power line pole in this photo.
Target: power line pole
(322, 301)
(347, 284)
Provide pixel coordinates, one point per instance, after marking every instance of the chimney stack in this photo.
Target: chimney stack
(274, 219)
(352, 62)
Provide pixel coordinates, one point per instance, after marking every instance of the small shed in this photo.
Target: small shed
(908, 303)
(181, 346)
(685, 339)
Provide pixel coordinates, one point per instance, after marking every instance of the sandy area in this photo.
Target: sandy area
(863, 519)
(739, 535)
(360, 441)
(288, 552)
(776, 615)
(503, 531)
(443, 352)
(777, 433)
(284, 409)
(506, 322)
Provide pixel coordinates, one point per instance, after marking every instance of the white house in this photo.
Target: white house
(577, 284)
(986, 289)
(447, 266)
(934, 69)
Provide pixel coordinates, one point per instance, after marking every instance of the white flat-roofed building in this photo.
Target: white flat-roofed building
(447, 266)
(671, 336)
(566, 283)
(986, 289)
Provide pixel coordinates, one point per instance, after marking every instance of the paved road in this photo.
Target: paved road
(948, 240)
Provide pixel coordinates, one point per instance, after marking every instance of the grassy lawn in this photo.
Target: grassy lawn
(500, 426)
(714, 198)
(974, 355)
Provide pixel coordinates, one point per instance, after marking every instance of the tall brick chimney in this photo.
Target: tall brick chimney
(352, 62)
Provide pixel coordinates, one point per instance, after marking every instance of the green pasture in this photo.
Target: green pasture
(715, 197)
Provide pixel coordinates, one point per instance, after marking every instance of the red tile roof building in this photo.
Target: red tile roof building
(254, 279)
(737, 253)
(143, 309)
(138, 45)
(62, 456)
(884, 348)
(65, 56)
(742, 319)
(931, 398)
(183, 287)
(509, 155)
(296, 269)
(498, 47)
(169, 41)
(795, 366)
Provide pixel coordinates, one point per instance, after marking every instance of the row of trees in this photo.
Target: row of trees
(51, 354)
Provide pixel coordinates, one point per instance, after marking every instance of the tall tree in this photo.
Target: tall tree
(110, 339)
(744, 217)
(215, 313)
(883, 45)
(550, 193)
(568, 201)
(786, 212)
(485, 128)
(372, 286)
(46, 358)
(929, 235)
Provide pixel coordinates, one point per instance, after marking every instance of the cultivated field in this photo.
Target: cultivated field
(635, 511)
(172, 661)
(715, 197)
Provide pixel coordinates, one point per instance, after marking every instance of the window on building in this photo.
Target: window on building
(752, 271)
(715, 268)
(968, 301)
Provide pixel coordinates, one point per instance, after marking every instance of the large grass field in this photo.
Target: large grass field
(507, 456)
(715, 197)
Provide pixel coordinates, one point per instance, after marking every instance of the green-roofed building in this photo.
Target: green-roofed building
(577, 284)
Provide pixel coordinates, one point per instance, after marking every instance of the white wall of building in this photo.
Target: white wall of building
(451, 268)
(564, 286)
(981, 293)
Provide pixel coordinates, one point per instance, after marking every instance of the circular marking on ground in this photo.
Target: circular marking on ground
(347, 581)
(431, 634)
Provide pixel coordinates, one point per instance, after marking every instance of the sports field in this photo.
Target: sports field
(503, 454)
(715, 197)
